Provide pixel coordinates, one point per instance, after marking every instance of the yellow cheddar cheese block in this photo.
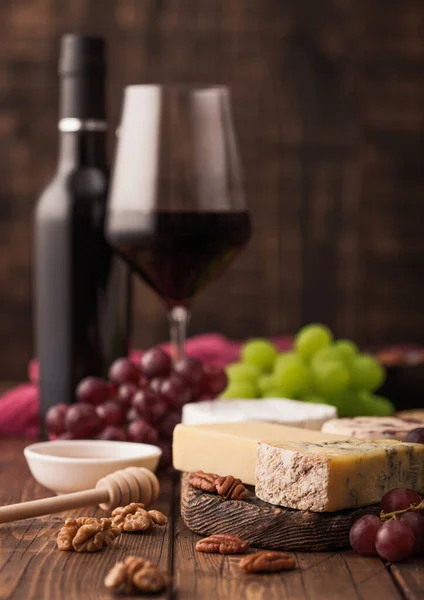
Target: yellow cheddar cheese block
(230, 448)
(335, 475)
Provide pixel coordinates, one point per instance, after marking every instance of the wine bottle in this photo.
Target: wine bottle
(82, 289)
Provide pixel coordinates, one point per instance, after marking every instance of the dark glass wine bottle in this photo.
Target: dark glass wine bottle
(82, 289)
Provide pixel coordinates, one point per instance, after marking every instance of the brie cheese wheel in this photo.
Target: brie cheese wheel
(372, 428)
(277, 410)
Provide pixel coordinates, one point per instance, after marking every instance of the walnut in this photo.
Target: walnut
(134, 517)
(86, 534)
(222, 544)
(136, 573)
(157, 517)
(267, 562)
(126, 510)
(150, 580)
(228, 487)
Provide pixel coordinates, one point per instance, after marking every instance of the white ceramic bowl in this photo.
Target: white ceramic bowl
(72, 465)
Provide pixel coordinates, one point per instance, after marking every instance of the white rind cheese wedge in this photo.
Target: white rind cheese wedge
(372, 428)
(230, 448)
(336, 475)
(278, 410)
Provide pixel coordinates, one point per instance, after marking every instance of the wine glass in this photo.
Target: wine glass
(176, 210)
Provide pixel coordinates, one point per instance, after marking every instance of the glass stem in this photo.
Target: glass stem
(179, 317)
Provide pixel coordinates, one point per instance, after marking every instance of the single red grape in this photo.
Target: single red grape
(126, 393)
(395, 541)
(399, 499)
(158, 410)
(113, 433)
(132, 415)
(83, 421)
(190, 369)
(55, 418)
(142, 400)
(149, 405)
(155, 363)
(93, 390)
(416, 436)
(363, 533)
(214, 381)
(156, 383)
(141, 431)
(175, 392)
(166, 457)
(167, 425)
(111, 413)
(415, 520)
(124, 371)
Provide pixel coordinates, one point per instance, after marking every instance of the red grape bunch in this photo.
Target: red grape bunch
(399, 531)
(140, 402)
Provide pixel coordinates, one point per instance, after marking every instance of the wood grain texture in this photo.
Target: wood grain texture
(410, 578)
(31, 566)
(264, 525)
(328, 106)
(318, 576)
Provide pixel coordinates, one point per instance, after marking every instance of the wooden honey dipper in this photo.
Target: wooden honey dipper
(133, 484)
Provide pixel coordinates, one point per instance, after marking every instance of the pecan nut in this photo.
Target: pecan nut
(203, 481)
(223, 544)
(86, 534)
(136, 573)
(267, 562)
(134, 517)
(230, 488)
(227, 486)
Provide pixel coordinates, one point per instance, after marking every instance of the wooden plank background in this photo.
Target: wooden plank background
(329, 108)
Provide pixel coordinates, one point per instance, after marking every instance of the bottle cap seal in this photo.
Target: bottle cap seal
(81, 54)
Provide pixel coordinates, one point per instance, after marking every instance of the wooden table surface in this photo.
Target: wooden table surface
(31, 567)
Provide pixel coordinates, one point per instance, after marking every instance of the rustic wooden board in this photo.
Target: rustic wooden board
(265, 525)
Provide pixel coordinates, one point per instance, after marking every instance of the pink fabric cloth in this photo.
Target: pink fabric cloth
(19, 411)
(19, 406)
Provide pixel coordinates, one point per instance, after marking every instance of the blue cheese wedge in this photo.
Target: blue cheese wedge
(335, 475)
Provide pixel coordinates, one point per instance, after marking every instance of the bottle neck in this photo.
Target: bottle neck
(82, 95)
(82, 149)
(82, 121)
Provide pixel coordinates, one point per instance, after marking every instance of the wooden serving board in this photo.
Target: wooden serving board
(264, 525)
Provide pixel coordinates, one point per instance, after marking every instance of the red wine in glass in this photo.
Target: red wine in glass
(176, 210)
(179, 253)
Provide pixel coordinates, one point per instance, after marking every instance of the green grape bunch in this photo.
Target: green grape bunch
(318, 369)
